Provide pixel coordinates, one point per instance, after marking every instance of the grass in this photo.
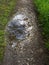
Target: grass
(42, 7)
(6, 7)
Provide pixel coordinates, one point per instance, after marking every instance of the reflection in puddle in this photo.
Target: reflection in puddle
(18, 28)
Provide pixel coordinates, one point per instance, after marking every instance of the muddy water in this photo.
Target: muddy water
(22, 37)
(18, 30)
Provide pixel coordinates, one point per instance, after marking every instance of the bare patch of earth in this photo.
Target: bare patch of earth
(28, 51)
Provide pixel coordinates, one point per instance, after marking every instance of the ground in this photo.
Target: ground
(29, 51)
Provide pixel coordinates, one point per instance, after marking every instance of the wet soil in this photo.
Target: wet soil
(28, 51)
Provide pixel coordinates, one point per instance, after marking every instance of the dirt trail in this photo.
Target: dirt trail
(30, 50)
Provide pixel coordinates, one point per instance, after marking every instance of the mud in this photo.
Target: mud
(24, 42)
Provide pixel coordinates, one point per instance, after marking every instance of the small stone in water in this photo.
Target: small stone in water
(13, 45)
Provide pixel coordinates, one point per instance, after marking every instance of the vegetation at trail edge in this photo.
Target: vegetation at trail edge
(42, 7)
(6, 7)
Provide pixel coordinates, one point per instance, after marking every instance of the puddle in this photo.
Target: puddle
(18, 29)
